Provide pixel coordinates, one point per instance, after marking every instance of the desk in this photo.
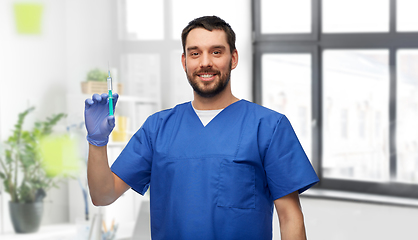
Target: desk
(51, 232)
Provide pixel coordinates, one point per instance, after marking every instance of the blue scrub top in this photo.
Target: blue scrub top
(218, 181)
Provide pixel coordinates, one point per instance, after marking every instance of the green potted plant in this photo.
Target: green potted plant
(23, 174)
(97, 75)
(96, 82)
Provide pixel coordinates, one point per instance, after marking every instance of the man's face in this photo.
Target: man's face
(208, 61)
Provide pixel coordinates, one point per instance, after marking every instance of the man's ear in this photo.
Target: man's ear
(183, 61)
(234, 61)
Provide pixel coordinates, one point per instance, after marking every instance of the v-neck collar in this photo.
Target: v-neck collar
(206, 116)
(214, 118)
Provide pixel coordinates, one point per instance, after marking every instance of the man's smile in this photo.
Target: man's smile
(207, 76)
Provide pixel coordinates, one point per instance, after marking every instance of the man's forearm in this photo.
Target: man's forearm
(290, 214)
(100, 177)
(293, 229)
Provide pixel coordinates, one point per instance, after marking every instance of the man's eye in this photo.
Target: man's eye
(195, 54)
(216, 52)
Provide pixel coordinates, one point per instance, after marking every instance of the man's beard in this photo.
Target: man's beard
(201, 87)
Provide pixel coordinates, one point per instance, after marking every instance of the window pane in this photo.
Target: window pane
(141, 74)
(355, 16)
(286, 88)
(144, 20)
(183, 11)
(284, 16)
(407, 15)
(407, 116)
(355, 115)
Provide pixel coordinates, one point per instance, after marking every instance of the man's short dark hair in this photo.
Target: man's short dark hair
(209, 23)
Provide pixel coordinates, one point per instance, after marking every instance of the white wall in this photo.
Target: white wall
(33, 67)
(39, 70)
(345, 220)
(33, 74)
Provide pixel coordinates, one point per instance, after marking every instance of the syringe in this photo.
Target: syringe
(109, 87)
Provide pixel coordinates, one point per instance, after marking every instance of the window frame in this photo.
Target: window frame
(316, 43)
(285, 37)
(162, 47)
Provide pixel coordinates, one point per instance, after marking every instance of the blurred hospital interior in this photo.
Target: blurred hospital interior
(345, 73)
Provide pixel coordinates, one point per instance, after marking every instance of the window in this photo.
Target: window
(137, 23)
(354, 16)
(349, 86)
(145, 49)
(407, 18)
(290, 91)
(282, 16)
(407, 116)
(357, 83)
(183, 11)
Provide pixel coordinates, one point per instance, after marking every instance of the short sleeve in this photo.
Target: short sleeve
(133, 165)
(287, 167)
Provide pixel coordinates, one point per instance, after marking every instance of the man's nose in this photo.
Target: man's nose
(206, 61)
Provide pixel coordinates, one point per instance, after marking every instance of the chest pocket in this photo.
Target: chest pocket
(236, 187)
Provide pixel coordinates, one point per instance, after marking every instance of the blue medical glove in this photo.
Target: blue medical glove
(99, 124)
